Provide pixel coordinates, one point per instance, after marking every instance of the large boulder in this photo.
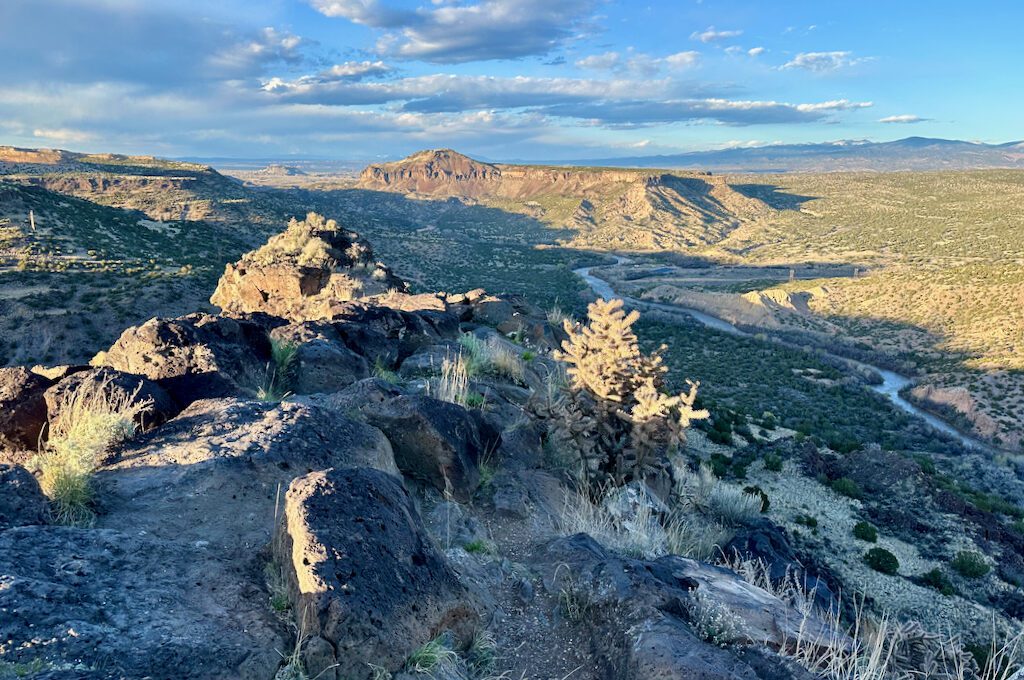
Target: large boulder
(366, 583)
(106, 603)
(22, 408)
(386, 336)
(322, 363)
(434, 441)
(216, 472)
(303, 273)
(22, 502)
(197, 356)
(117, 387)
(647, 614)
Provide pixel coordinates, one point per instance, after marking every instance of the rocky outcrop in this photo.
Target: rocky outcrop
(21, 501)
(230, 458)
(365, 581)
(640, 611)
(433, 441)
(304, 273)
(194, 357)
(22, 408)
(108, 603)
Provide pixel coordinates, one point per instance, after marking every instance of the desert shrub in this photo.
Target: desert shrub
(713, 622)
(938, 580)
(614, 411)
(865, 531)
(93, 419)
(970, 564)
(882, 560)
(772, 462)
(845, 486)
(808, 521)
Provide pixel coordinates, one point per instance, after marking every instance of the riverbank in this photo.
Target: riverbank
(892, 383)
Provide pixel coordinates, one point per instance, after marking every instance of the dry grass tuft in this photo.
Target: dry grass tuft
(93, 419)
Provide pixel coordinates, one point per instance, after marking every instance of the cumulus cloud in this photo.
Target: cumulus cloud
(638, 113)
(62, 135)
(711, 34)
(452, 93)
(755, 51)
(904, 118)
(455, 33)
(822, 62)
(638, 63)
(148, 43)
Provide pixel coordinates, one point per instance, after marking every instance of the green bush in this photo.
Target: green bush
(882, 560)
(772, 462)
(807, 521)
(939, 581)
(970, 564)
(865, 531)
(845, 486)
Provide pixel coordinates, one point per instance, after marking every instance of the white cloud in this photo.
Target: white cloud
(711, 34)
(62, 135)
(606, 61)
(821, 62)
(455, 33)
(904, 118)
(638, 63)
(755, 51)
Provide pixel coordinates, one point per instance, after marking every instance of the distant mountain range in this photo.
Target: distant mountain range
(912, 153)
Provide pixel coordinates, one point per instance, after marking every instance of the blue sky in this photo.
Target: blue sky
(502, 79)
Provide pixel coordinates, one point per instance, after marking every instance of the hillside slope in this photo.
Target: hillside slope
(606, 208)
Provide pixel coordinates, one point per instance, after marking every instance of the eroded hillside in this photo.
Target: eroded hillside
(603, 208)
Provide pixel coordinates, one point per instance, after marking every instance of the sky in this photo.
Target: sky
(502, 79)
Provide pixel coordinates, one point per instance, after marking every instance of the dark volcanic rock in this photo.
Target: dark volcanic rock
(22, 407)
(433, 440)
(639, 612)
(363, 574)
(215, 472)
(194, 357)
(22, 502)
(114, 604)
(117, 386)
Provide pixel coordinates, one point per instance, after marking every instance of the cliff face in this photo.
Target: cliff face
(607, 207)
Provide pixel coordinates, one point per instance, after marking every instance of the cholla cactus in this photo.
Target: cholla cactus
(615, 412)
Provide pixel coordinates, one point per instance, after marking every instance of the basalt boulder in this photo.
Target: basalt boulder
(22, 408)
(197, 356)
(366, 583)
(434, 441)
(22, 502)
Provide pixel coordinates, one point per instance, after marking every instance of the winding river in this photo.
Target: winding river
(890, 386)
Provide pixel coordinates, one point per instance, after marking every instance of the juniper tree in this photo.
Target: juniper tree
(615, 413)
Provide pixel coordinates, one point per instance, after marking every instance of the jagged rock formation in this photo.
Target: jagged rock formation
(607, 207)
(304, 273)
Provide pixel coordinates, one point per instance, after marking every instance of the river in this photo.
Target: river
(890, 386)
